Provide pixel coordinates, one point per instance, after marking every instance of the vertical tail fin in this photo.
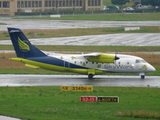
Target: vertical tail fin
(22, 46)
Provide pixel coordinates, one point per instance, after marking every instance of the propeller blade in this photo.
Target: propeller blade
(116, 58)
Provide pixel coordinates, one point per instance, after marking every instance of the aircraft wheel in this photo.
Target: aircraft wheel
(142, 76)
(90, 76)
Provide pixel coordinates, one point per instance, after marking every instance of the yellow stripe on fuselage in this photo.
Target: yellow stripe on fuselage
(35, 64)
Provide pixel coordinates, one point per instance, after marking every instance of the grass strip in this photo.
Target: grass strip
(105, 17)
(3, 24)
(86, 49)
(49, 102)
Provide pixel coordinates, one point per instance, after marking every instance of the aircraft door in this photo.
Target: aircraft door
(66, 64)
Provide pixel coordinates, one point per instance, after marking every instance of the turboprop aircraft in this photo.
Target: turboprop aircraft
(88, 64)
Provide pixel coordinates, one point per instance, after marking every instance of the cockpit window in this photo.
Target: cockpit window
(140, 61)
(143, 61)
(137, 61)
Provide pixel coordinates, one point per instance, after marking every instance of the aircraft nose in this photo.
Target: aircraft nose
(151, 68)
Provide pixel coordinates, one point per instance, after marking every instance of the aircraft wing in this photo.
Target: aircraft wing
(91, 54)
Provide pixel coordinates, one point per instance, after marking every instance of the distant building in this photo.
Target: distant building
(10, 7)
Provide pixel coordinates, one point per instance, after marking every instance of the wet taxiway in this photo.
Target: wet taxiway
(66, 24)
(60, 80)
(131, 39)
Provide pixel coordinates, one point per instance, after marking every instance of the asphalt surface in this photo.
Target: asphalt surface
(123, 39)
(60, 80)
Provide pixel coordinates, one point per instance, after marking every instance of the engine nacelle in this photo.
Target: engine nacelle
(103, 58)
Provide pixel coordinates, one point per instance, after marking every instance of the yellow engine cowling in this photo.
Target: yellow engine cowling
(102, 58)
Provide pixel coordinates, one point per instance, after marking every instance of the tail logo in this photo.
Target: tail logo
(23, 46)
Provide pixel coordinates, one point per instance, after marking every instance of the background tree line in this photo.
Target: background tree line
(143, 2)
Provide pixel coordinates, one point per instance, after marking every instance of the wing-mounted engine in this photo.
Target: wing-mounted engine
(101, 58)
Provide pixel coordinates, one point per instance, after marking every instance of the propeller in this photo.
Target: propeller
(116, 58)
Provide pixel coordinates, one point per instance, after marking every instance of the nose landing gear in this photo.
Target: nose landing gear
(142, 75)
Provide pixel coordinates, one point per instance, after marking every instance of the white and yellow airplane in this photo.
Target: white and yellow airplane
(88, 64)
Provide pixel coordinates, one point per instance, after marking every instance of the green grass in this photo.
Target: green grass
(6, 47)
(33, 71)
(86, 49)
(100, 48)
(3, 24)
(156, 73)
(49, 103)
(106, 17)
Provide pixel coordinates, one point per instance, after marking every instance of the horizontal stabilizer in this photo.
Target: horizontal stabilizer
(32, 66)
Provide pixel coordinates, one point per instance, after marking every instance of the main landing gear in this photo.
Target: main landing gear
(90, 76)
(142, 76)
